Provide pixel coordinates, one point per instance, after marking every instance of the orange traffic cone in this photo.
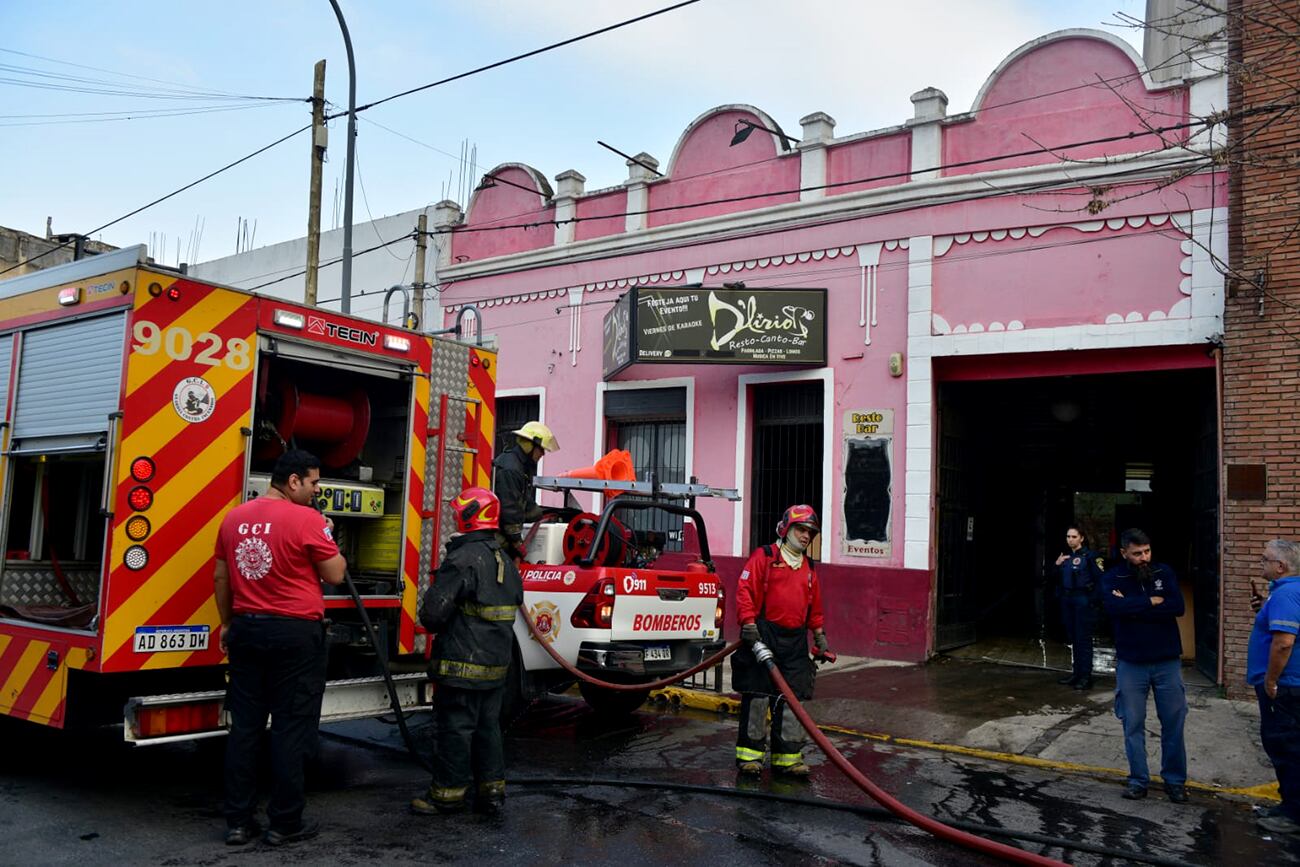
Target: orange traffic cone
(615, 466)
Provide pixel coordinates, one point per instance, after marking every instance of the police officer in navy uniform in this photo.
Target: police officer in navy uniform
(1080, 569)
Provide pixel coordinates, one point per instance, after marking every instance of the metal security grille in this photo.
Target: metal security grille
(657, 447)
(787, 454)
(512, 414)
(6, 356)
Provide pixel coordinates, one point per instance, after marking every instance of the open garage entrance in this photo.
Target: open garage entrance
(1022, 458)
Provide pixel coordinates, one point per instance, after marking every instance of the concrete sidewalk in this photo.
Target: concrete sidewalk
(1022, 716)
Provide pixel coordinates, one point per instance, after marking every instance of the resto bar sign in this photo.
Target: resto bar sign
(678, 325)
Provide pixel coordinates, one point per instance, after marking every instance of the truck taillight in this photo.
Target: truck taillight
(140, 498)
(596, 610)
(142, 469)
(152, 722)
(135, 558)
(718, 612)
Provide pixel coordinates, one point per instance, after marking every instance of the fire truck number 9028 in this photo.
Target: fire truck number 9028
(180, 345)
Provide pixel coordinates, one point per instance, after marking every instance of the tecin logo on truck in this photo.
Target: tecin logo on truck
(316, 325)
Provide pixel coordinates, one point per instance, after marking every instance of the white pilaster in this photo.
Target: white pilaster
(569, 186)
(918, 485)
(930, 108)
(818, 130)
(1209, 260)
(446, 214)
(638, 199)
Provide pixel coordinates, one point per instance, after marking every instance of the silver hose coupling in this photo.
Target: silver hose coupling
(762, 652)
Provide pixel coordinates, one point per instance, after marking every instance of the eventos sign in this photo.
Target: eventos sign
(715, 326)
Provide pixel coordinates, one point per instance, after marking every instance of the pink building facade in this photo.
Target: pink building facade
(1021, 311)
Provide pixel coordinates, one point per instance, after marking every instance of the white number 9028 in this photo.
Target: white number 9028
(180, 345)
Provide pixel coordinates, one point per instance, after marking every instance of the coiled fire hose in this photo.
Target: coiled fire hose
(890, 803)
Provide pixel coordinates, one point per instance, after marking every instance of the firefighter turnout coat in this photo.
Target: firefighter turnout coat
(471, 607)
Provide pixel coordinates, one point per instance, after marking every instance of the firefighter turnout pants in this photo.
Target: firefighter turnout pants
(790, 648)
(469, 747)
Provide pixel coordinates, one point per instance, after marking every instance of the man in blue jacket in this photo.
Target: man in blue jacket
(1144, 603)
(1274, 670)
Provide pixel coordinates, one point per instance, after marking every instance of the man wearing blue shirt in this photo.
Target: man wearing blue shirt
(1144, 603)
(1274, 671)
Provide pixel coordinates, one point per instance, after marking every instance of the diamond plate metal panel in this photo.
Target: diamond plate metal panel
(449, 375)
(36, 585)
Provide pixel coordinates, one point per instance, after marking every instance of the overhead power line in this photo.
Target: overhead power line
(160, 199)
(536, 51)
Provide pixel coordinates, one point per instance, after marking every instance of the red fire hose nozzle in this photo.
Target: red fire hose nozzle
(828, 656)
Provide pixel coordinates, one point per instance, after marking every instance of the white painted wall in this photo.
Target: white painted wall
(372, 273)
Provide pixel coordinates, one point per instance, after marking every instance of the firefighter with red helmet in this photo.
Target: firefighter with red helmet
(778, 600)
(471, 607)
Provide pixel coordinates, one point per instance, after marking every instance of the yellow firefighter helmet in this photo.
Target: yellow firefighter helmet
(539, 434)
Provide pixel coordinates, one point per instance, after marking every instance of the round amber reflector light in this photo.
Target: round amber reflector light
(137, 529)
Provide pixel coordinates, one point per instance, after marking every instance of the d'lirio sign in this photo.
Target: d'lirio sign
(677, 325)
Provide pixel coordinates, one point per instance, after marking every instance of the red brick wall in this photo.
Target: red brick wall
(1261, 356)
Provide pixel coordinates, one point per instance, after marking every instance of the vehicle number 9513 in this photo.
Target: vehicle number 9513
(179, 344)
(707, 589)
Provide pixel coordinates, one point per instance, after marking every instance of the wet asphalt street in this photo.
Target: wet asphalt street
(96, 801)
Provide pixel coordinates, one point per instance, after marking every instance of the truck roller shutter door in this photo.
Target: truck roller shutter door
(69, 380)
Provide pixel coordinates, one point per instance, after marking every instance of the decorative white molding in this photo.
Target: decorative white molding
(818, 131)
(575, 325)
(930, 106)
(830, 431)
(869, 261)
(764, 119)
(792, 215)
(917, 487)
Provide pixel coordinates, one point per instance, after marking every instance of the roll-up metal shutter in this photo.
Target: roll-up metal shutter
(6, 359)
(69, 377)
(641, 404)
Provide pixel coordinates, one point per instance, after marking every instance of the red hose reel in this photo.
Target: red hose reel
(335, 428)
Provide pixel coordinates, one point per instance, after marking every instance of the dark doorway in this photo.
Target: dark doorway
(512, 414)
(1020, 460)
(786, 466)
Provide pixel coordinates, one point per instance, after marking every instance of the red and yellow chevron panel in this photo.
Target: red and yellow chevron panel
(480, 421)
(34, 675)
(188, 397)
(415, 500)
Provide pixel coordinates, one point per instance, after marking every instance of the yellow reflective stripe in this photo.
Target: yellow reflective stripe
(782, 760)
(495, 613)
(492, 787)
(469, 670)
(448, 796)
(745, 754)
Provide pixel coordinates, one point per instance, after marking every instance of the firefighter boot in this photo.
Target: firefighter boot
(439, 801)
(490, 798)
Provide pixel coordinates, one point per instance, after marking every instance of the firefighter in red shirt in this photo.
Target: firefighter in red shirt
(272, 555)
(778, 599)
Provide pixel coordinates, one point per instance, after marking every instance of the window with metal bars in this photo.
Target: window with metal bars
(650, 423)
(512, 414)
(786, 465)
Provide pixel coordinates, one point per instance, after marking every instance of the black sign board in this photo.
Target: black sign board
(678, 325)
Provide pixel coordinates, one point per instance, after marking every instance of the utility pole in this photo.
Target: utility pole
(421, 245)
(319, 143)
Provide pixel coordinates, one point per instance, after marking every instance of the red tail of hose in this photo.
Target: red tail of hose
(920, 820)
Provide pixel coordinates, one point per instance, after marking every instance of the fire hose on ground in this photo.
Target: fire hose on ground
(893, 808)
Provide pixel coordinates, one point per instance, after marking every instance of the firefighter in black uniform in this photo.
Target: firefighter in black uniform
(513, 484)
(471, 607)
(1080, 570)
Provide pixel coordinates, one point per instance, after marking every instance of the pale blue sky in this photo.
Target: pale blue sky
(636, 88)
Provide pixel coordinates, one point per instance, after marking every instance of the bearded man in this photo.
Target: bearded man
(1144, 603)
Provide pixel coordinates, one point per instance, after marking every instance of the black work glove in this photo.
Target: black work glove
(819, 639)
(749, 634)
